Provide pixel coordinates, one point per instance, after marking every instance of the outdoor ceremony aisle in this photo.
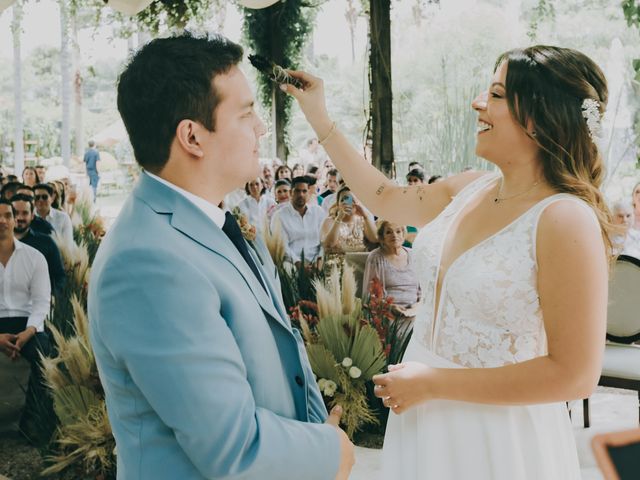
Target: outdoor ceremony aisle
(611, 410)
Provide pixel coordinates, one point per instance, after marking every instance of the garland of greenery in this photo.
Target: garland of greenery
(177, 13)
(279, 33)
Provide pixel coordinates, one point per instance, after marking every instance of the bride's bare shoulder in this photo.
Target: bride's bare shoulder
(456, 183)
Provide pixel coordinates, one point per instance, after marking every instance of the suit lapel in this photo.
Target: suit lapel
(188, 219)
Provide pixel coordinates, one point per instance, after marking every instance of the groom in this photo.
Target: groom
(203, 374)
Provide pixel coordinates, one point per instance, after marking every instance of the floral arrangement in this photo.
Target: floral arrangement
(248, 231)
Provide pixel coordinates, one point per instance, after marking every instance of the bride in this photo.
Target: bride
(513, 267)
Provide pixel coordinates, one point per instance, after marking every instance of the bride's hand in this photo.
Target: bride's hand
(406, 385)
(312, 101)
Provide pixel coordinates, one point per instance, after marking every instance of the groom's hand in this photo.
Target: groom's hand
(347, 455)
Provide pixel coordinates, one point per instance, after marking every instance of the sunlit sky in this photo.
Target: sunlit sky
(41, 27)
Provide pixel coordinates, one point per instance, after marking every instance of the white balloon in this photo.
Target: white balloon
(257, 4)
(130, 7)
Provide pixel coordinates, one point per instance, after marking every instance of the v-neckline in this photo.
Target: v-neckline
(438, 288)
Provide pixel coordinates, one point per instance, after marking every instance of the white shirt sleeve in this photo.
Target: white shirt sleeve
(40, 288)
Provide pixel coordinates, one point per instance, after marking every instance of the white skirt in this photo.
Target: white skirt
(450, 440)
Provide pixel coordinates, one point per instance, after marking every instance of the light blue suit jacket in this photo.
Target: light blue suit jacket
(204, 375)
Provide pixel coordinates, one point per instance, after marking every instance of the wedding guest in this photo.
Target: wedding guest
(415, 177)
(299, 222)
(298, 170)
(24, 213)
(282, 191)
(257, 203)
(331, 183)
(283, 171)
(9, 189)
(38, 225)
(628, 242)
(267, 176)
(434, 179)
(41, 170)
(60, 220)
(30, 176)
(25, 299)
(345, 229)
(392, 265)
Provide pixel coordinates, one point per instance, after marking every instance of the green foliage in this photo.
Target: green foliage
(631, 10)
(174, 14)
(278, 33)
(544, 10)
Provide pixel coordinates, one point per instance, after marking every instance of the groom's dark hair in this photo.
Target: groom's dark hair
(167, 81)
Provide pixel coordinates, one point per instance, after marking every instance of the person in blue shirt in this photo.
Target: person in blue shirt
(91, 159)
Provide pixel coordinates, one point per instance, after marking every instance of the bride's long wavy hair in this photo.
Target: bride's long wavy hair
(545, 87)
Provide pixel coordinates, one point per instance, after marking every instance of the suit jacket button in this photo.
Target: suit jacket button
(299, 380)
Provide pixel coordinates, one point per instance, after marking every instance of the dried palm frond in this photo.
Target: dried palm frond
(349, 289)
(323, 363)
(274, 240)
(329, 296)
(334, 336)
(88, 442)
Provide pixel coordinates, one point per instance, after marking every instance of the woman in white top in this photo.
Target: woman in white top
(513, 269)
(257, 204)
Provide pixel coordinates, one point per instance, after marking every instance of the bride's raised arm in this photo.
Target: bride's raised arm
(416, 205)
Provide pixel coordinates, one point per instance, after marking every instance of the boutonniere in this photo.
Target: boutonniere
(249, 232)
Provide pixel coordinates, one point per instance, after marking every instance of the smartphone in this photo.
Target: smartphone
(347, 200)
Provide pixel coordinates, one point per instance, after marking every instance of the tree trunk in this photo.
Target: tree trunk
(380, 84)
(77, 85)
(18, 137)
(65, 74)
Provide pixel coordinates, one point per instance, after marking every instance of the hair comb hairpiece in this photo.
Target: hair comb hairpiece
(591, 113)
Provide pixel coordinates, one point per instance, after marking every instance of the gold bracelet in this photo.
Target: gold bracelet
(331, 131)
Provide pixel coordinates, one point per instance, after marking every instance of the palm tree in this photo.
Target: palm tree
(18, 140)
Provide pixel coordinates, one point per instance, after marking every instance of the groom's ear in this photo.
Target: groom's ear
(189, 137)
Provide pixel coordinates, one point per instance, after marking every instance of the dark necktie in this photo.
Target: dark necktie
(232, 230)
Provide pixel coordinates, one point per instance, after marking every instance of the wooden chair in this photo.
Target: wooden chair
(621, 364)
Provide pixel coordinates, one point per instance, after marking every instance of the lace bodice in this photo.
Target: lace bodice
(489, 312)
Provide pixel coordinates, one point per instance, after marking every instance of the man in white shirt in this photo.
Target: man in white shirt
(60, 220)
(300, 224)
(25, 298)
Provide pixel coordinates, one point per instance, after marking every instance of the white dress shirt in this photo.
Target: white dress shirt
(25, 289)
(300, 232)
(61, 223)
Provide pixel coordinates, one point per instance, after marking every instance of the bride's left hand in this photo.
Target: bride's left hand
(405, 386)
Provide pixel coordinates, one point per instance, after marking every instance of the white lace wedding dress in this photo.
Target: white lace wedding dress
(488, 316)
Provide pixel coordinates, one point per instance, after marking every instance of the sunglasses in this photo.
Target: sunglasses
(44, 196)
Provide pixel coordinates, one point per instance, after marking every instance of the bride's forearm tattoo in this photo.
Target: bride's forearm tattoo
(380, 189)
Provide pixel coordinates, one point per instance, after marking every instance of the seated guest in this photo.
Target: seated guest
(415, 177)
(300, 222)
(12, 178)
(298, 170)
(30, 176)
(283, 172)
(41, 170)
(267, 176)
(331, 183)
(282, 194)
(60, 220)
(257, 204)
(25, 298)
(9, 190)
(59, 201)
(345, 229)
(24, 214)
(38, 225)
(628, 242)
(391, 264)
(434, 179)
